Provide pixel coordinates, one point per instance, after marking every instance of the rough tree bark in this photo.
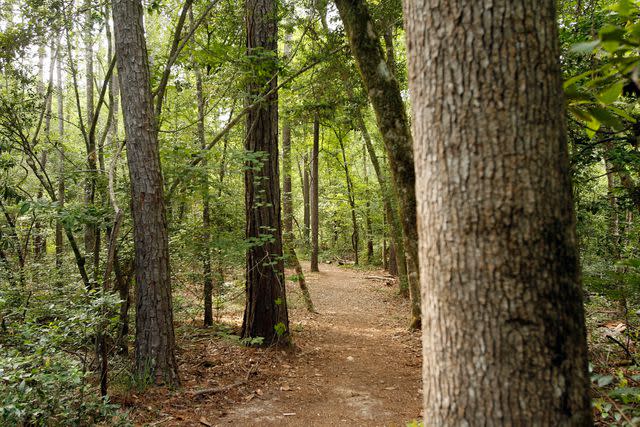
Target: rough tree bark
(155, 341)
(265, 312)
(313, 193)
(504, 338)
(386, 99)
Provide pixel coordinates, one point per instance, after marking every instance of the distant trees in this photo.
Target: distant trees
(504, 340)
(384, 93)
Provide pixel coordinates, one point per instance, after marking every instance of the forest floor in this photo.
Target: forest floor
(352, 363)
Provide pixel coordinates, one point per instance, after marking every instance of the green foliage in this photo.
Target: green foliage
(616, 401)
(45, 349)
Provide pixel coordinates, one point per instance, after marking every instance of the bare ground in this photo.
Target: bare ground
(353, 363)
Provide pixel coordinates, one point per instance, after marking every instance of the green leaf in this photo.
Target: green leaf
(622, 113)
(611, 93)
(605, 380)
(606, 117)
(577, 78)
(624, 8)
(585, 47)
(25, 208)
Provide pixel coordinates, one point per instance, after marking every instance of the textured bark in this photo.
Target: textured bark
(155, 341)
(266, 304)
(384, 93)
(313, 193)
(504, 338)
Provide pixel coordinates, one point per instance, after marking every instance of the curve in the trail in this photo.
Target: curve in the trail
(356, 363)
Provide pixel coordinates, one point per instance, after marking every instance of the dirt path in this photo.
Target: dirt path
(357, 364)
(354, 363)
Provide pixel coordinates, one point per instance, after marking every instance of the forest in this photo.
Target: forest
(319, 212)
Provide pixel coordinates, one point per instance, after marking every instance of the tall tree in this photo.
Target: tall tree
(504, 340)
(291, 257)
(91, 232)
(386, 99)
(155, 341)
(61, 181)
(313, 193)
(265, 312)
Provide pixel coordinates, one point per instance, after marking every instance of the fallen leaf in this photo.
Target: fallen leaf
(204, 421)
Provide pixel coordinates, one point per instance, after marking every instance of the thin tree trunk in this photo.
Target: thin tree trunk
(155, 341)
(207, 276)
(385, 262)
(367, 209)
(313, 193)
(385, 96)
(397, 256)
(306, 195)
(505, 339)
(352, 201)
(291, 257)
(265, 312)
(91, 234)
(39, 236)
(60, 145)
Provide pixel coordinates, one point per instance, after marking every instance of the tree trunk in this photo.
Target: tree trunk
(367, 209)
(207, 276)
(291, 258)
(61, 183)
(265, 313)
(313, 199)
(91, 234)
(40, 236)
(505, 339)
(306, 195)
(352, 202)
(385, 96)
(398, 262)
(155, 341)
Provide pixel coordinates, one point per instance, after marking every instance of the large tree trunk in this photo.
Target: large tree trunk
(313, 196)
(155, 341)
(265, 313)
(386, 99)
(504, 338)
